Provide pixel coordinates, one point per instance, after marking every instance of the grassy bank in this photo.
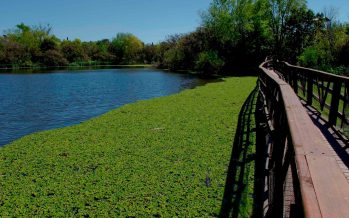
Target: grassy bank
(162, 157)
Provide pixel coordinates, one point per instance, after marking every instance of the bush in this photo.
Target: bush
(54, 58)
(309, 57)
(209, 62)
(173, 59)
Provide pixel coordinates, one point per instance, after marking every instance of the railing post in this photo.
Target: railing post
(310, 83)
(332, 120)
(294, 80)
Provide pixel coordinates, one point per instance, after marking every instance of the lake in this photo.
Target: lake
(42, 101)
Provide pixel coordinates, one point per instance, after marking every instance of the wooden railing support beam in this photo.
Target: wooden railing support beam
(332, 120)
(310, 83)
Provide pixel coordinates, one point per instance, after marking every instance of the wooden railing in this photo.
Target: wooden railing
(303, 177)
(327, 93)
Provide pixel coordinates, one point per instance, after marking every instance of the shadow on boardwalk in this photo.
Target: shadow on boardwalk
(241, 188)
(339, 143)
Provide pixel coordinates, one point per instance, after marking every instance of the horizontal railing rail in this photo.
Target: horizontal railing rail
(303, 176)
(327, 93)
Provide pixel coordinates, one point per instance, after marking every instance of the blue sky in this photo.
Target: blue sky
(341, 6)
(150, 20)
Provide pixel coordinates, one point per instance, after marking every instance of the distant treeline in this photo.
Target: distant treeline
(234, 35)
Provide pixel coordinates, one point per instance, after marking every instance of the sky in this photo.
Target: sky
(341, 7)
(149, 20)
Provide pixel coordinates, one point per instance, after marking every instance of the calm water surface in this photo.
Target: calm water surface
(35, 102)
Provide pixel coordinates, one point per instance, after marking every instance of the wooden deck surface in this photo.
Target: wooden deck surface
(323, 175)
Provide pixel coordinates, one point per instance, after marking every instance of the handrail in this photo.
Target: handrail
(304, 179)
(326, 92)
(318, 71)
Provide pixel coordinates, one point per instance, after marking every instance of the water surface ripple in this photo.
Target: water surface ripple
(41, 101)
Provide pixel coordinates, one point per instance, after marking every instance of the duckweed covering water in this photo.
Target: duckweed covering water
(163, 157)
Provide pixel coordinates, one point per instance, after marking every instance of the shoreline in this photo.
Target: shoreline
(87, 66)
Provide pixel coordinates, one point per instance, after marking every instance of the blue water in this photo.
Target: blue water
(41, 101)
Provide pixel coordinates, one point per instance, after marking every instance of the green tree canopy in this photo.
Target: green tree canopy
(126, 47)
(281, 11)
(73, 50)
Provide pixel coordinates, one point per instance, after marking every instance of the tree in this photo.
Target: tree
(126, 48)
(300, 32)
(209, 62)
(103, 55)
(280, 11)
(73, 51)
(343, 51)
(54, 58)
(49, 43)
(163, 47)
(241, 28)
(230, 19)
(149, 53)
(181, 52)
(327, 49)
(31, 39)
(12, 53)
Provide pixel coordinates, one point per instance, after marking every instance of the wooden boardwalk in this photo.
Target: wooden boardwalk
(338, 146)
(307, 166)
